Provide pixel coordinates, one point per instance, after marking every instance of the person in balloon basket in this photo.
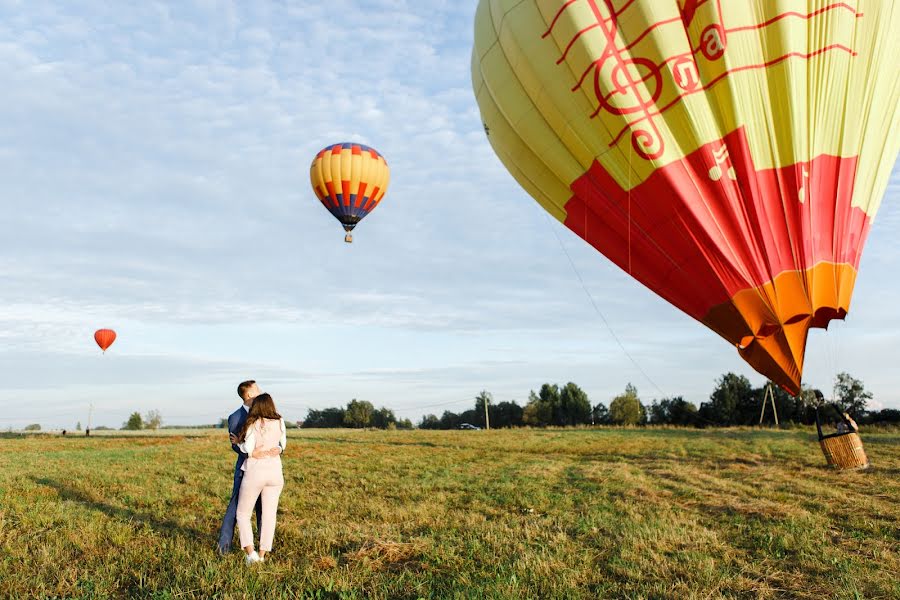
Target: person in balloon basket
(263, 438)
(846, 424)
(247, 390)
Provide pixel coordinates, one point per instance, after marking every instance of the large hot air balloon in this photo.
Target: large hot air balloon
(349, 180)
(104, 338)
(730, 156)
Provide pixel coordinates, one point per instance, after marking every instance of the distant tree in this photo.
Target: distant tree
(506, 414)
(656, 414)
(33, 427)
(326, 418)
(103, 428)
(223, 423)
(600, 414)
(850, 394)
(450, 420)
(574, 408)
(541, 407)
(884, 416)
(626, 409)
(471, 416)
(358, 414)
(404, 424)
(672, 411)
(383, 418)
(134, 422)
(153, 420)
(682, 412)
(78, 426)
(732, 402)
(430, 422)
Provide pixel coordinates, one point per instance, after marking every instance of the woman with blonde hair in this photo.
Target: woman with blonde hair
(263, 438)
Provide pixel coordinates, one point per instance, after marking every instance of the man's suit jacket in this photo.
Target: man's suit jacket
(236, 420)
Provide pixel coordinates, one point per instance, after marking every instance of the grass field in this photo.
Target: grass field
(611, 513)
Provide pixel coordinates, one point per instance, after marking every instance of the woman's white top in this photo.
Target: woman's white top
(260, 433)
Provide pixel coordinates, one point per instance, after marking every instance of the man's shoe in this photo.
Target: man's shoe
(223, 550)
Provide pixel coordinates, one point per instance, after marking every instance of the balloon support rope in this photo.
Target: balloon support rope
(597, 308)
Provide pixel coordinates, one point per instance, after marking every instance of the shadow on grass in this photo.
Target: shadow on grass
(127, 515)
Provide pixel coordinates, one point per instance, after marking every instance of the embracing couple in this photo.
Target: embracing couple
(258, 435)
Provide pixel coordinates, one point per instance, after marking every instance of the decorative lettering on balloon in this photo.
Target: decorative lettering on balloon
(712, 42)
(685, 73)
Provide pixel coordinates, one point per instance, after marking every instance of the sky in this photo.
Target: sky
(154, 179)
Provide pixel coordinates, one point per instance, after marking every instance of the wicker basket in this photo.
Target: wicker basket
(844, 451)
(841, 450)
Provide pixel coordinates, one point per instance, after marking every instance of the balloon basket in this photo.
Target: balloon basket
(845, 451)
(348, 238)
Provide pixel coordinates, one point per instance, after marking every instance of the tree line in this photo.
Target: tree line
(734, 401)
(357, 414)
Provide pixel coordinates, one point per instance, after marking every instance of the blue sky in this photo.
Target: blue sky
(154, 179)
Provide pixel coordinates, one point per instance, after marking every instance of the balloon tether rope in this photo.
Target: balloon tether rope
(597, 308)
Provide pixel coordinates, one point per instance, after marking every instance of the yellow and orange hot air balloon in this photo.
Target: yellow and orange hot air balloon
(104, 338)
(729, 155)
(349, 180)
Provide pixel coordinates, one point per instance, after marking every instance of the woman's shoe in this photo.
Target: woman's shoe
(253, 557)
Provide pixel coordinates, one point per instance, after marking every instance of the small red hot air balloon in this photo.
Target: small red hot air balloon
(104, 338)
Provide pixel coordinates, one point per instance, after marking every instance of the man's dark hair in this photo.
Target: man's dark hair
(244, 386)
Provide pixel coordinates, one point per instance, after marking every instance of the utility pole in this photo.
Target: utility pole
(90, 414)
(487, 419)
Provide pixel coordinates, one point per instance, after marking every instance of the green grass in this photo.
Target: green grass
(604, 513)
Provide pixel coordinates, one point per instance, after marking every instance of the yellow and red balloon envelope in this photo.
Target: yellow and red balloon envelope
(104, 338)
(350, 180)
(730, 155)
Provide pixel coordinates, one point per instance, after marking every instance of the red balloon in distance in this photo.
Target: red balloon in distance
(104, 338)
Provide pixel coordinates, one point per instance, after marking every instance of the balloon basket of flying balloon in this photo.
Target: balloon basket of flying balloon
(843, 451)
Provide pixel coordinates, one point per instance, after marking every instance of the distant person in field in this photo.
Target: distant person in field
(247, 390)
(263, 438)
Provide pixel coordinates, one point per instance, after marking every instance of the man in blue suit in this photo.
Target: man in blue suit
(247, 390)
